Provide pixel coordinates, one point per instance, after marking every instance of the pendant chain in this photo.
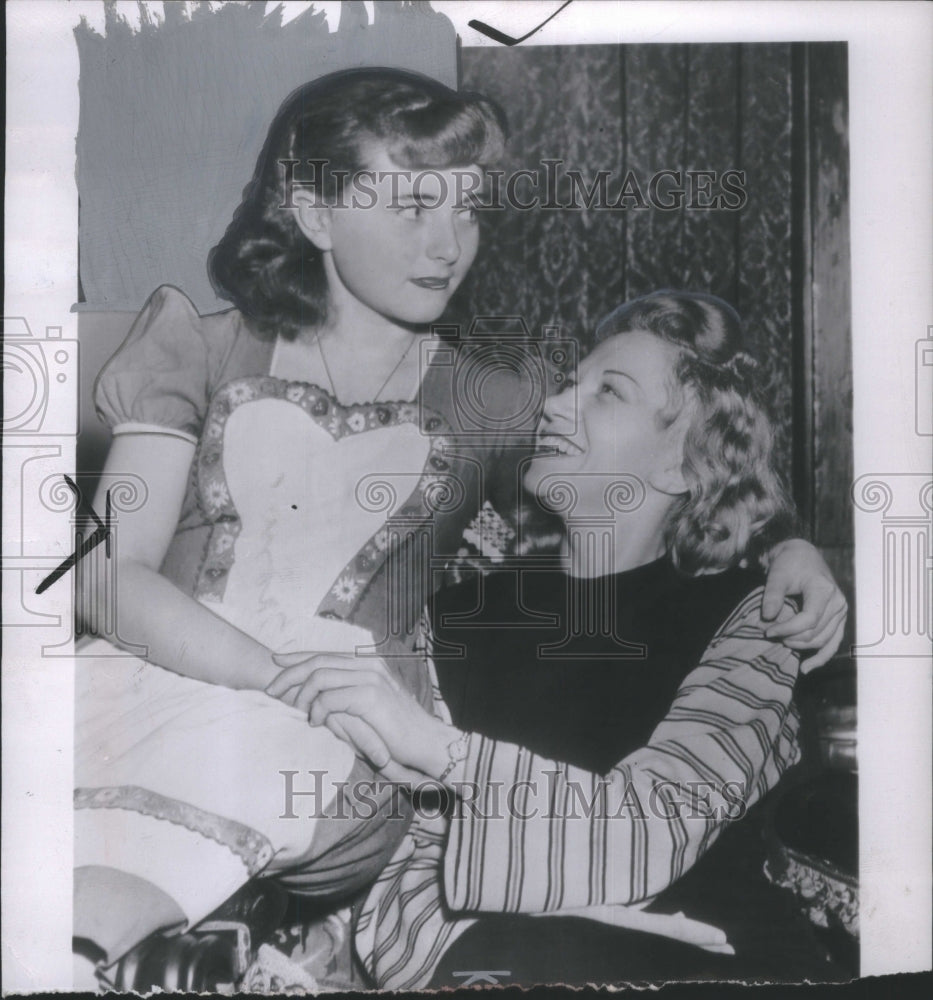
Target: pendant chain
(381, 389)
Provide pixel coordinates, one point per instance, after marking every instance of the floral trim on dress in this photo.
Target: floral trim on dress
(253, 848)
(436, 487)
(436, 481)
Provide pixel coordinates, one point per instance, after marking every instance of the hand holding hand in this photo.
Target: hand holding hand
(366, 692)
(291, 686)
(361, 702)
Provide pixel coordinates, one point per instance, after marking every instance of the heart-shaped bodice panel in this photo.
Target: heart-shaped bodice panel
(291, 494)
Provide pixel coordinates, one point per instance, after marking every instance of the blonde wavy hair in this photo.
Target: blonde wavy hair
(736, 507)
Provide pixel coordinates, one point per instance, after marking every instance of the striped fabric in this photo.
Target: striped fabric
(531, 835)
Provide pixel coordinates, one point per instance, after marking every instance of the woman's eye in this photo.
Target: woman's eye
(606, 388)
(409, 212)
(468, 214)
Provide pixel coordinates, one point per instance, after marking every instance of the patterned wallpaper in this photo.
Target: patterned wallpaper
(644, 108)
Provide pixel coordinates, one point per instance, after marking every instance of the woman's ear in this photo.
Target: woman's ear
(314, 219)
(669, 477)
(671, 480)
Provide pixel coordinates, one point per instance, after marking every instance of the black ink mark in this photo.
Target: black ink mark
(503, 39)
(102, 534)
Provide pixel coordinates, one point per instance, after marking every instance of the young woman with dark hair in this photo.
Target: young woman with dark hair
(327, 138)
(293, 450)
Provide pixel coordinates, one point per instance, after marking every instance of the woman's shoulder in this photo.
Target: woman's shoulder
(230, 343)
(171, 360)
(169, 326)
(170, 300)
(169, 310)
(711, 603)
(734, 584)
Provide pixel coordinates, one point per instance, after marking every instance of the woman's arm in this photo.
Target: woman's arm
(177, 631)
(592, 839)
(534, 835)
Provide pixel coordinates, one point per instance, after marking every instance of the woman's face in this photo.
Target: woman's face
(609, 422)
(403, 240)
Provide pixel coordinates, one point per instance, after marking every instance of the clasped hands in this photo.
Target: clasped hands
(362, 703)
(359, 700)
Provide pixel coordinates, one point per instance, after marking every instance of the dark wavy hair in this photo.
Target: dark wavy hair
(736, 507)
(264, 264)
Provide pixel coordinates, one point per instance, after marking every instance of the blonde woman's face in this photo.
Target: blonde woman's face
(606, 423)
(403, 240)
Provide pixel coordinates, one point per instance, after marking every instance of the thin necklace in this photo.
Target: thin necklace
(381, 389)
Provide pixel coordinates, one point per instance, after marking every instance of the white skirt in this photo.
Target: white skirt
(185, 784)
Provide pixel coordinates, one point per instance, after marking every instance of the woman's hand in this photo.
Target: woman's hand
(675, 925)
(289, 686)
(364, 692)
(307, 676)
(798, 570)
(298, 668)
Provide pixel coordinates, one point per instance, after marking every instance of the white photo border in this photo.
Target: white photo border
(890, 114)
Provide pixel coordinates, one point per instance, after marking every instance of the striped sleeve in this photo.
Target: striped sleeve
(404, 926)
(533, 835)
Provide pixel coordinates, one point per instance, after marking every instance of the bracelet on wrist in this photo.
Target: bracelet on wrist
(456, 752)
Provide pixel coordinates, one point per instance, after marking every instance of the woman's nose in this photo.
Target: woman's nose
(442, 241)
(560, 407)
